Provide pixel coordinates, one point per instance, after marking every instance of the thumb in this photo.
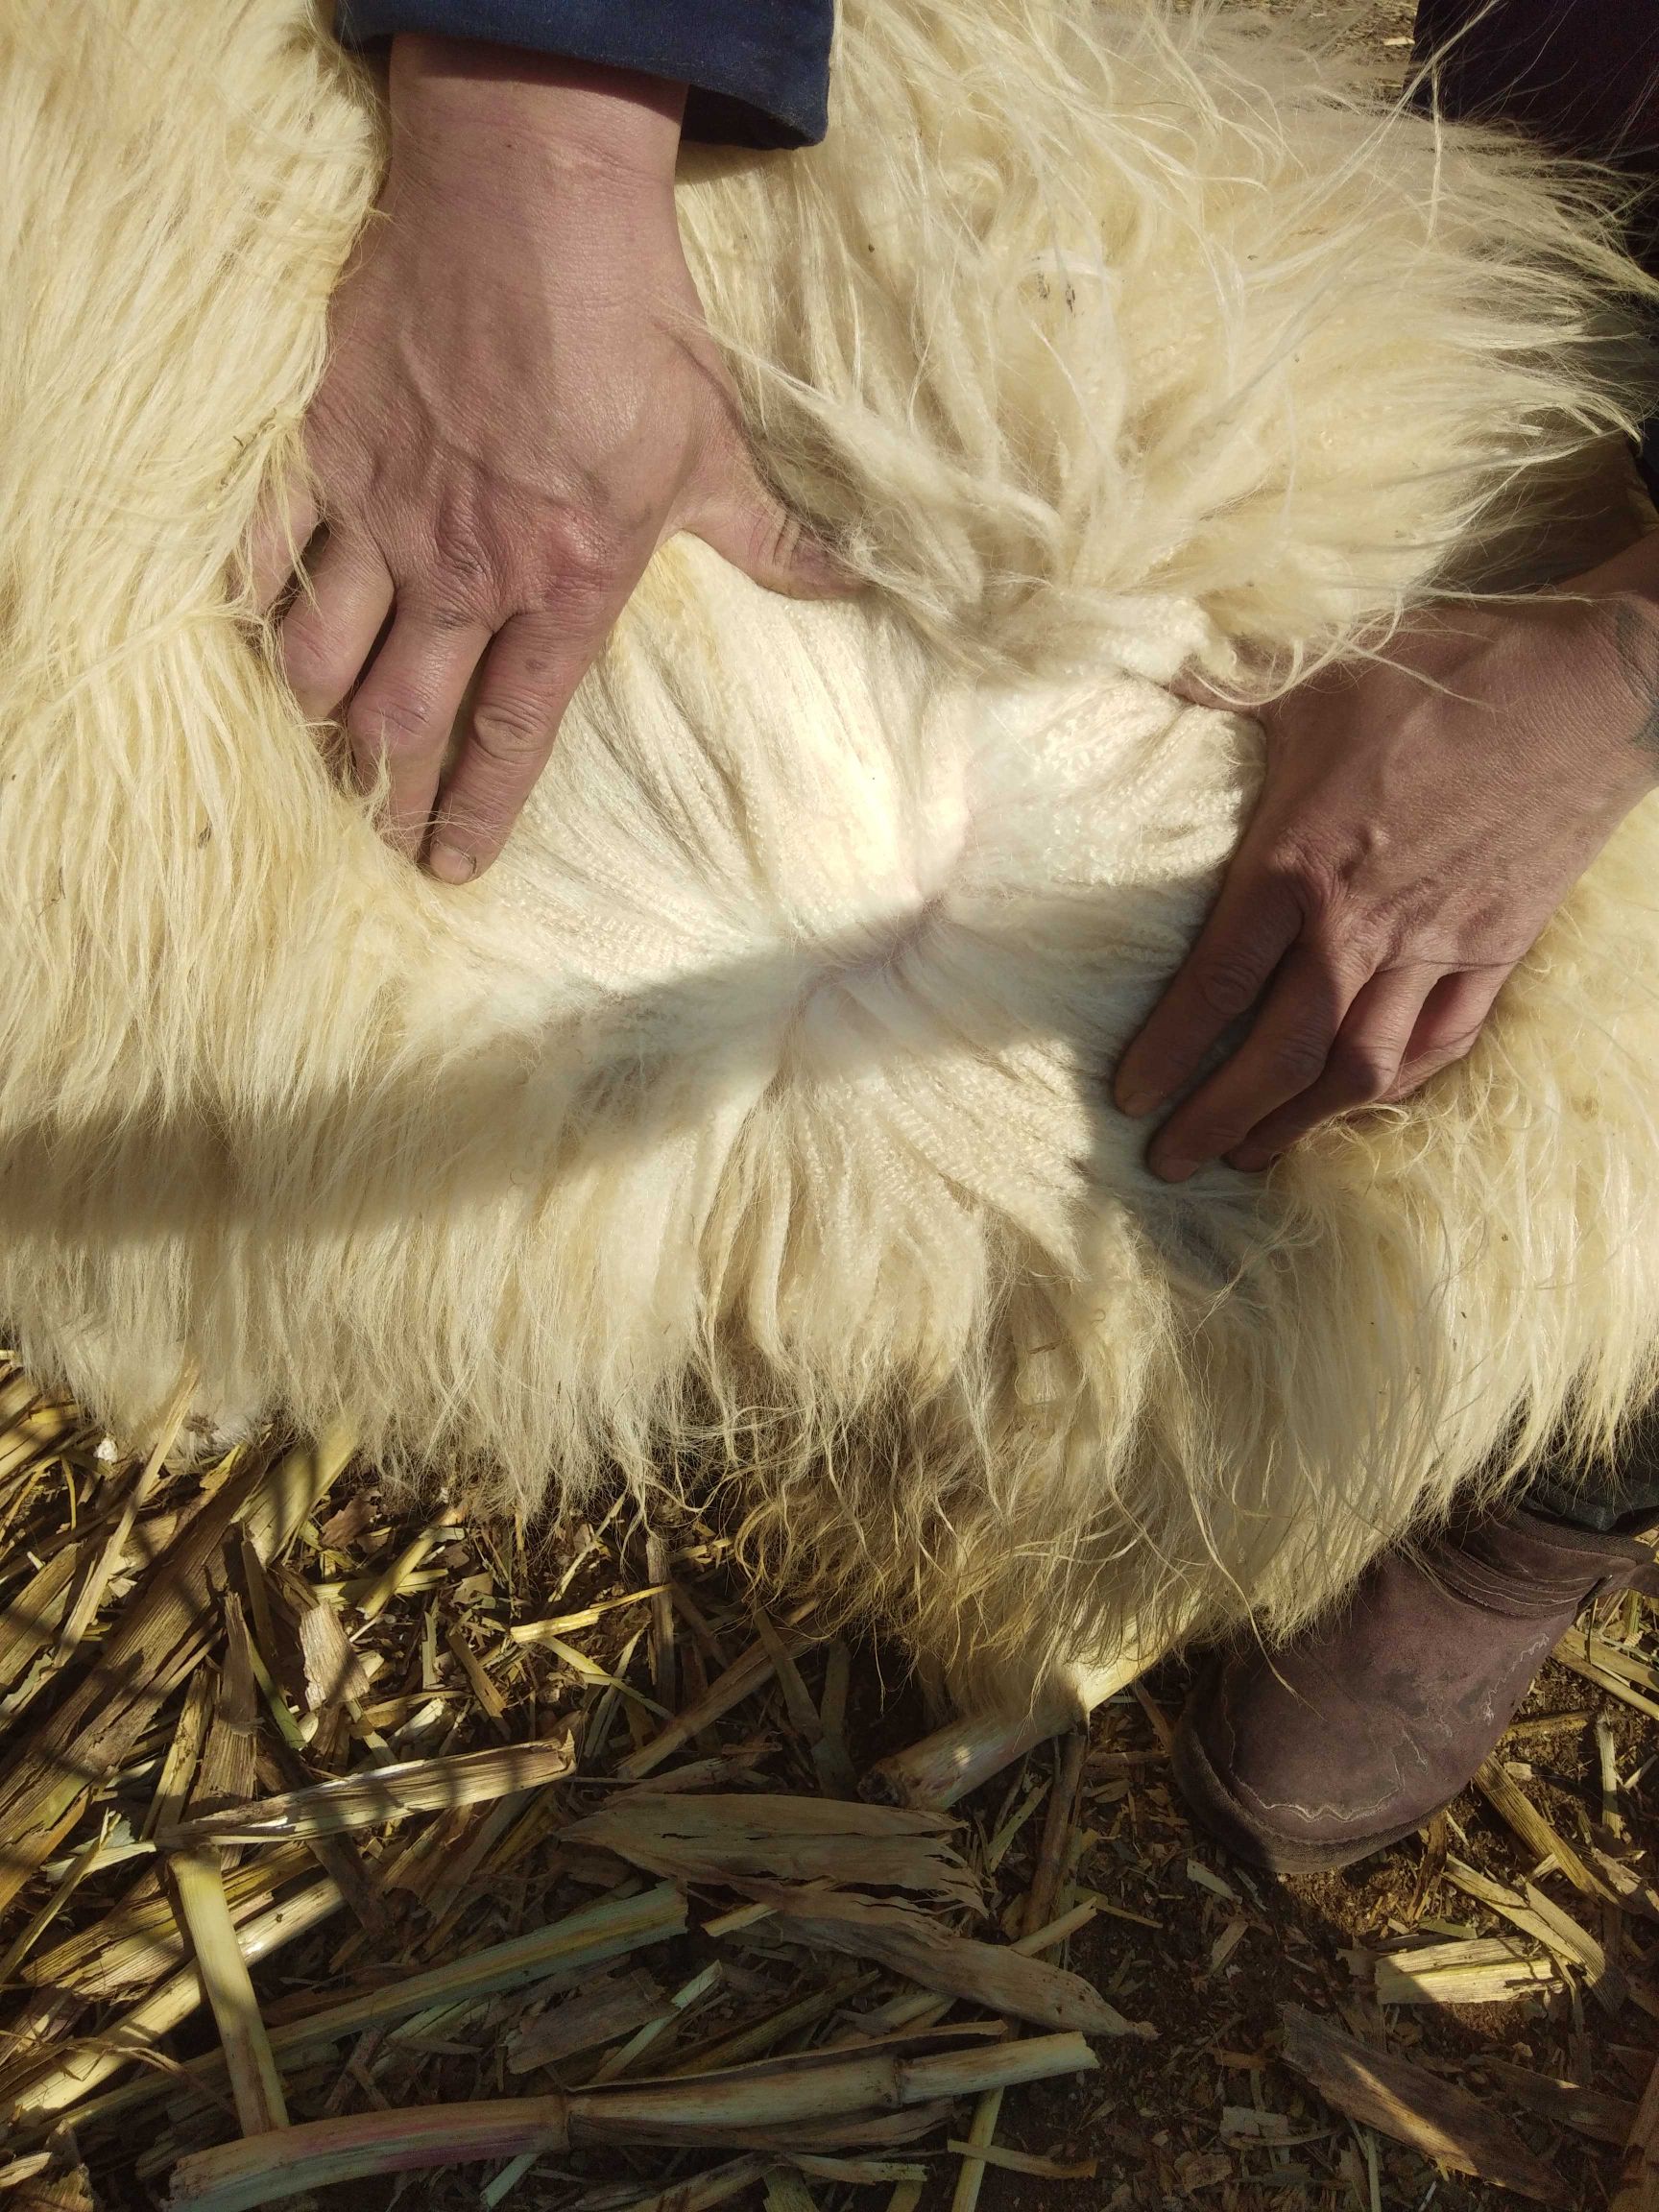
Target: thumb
(283, 525)
(1197, 690)
(750, 526)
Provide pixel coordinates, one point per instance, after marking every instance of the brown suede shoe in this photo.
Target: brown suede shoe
(1350, 1736)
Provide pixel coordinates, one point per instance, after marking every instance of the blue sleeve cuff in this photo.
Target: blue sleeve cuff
(758, 70)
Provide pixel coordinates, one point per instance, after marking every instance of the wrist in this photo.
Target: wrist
(501, 117)
(1617, 607)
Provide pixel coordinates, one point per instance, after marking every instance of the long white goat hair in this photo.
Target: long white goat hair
(748, 1119)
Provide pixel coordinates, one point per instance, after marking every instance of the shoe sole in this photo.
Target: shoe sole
(1217, 1810)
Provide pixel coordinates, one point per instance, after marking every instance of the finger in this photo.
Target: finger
(534, 666)
(328, 634)
(275, 547)
(1193, 687)
(753, 530)
(1361, 1068)
(404, 713)
(1285, 1052)
(1250, 928)
(1452, 1017)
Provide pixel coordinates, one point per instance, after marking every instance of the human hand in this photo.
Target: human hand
(1421, 819)
(522, 400)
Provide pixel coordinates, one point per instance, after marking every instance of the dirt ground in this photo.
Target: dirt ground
(1375, 35)
(1163, 2119)
(1206, 2113)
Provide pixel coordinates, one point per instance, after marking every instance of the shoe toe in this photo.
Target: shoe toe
(1290, 1781)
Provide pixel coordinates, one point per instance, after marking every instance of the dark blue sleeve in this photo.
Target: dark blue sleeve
(758, 70)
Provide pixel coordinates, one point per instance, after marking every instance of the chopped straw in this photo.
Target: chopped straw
(348, 1839)
(714, 2110)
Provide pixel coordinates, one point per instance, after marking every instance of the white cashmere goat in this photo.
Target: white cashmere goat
(749, 1122)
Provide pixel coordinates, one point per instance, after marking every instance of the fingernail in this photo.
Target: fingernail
(1174, 1170)
(450, 865)
(1137, 1103)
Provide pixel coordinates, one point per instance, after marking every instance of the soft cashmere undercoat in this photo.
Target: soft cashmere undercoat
(750, 1119)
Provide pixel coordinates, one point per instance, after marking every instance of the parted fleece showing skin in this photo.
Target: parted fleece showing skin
(751, 1115)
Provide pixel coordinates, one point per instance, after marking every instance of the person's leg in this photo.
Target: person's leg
(1616, 1494)
(1580, 75)
(1608, 1501)
(1354, 1733)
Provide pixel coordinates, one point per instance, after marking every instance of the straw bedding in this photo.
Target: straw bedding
(748, 1122)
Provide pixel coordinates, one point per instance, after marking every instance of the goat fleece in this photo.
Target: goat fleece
(748, 1123)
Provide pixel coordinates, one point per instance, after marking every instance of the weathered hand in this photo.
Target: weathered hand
(1421, 820)
(522, 402)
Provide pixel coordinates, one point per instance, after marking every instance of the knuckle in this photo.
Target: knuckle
(1449, 1051)
(1359, 1070)
(309, 663)
(452, 609)
(581, 556)
(1228, 984)
(394, 721)
(463, 584)
(1299, 1060)
(510, 733)
(1305, 878)
(1347, 949)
